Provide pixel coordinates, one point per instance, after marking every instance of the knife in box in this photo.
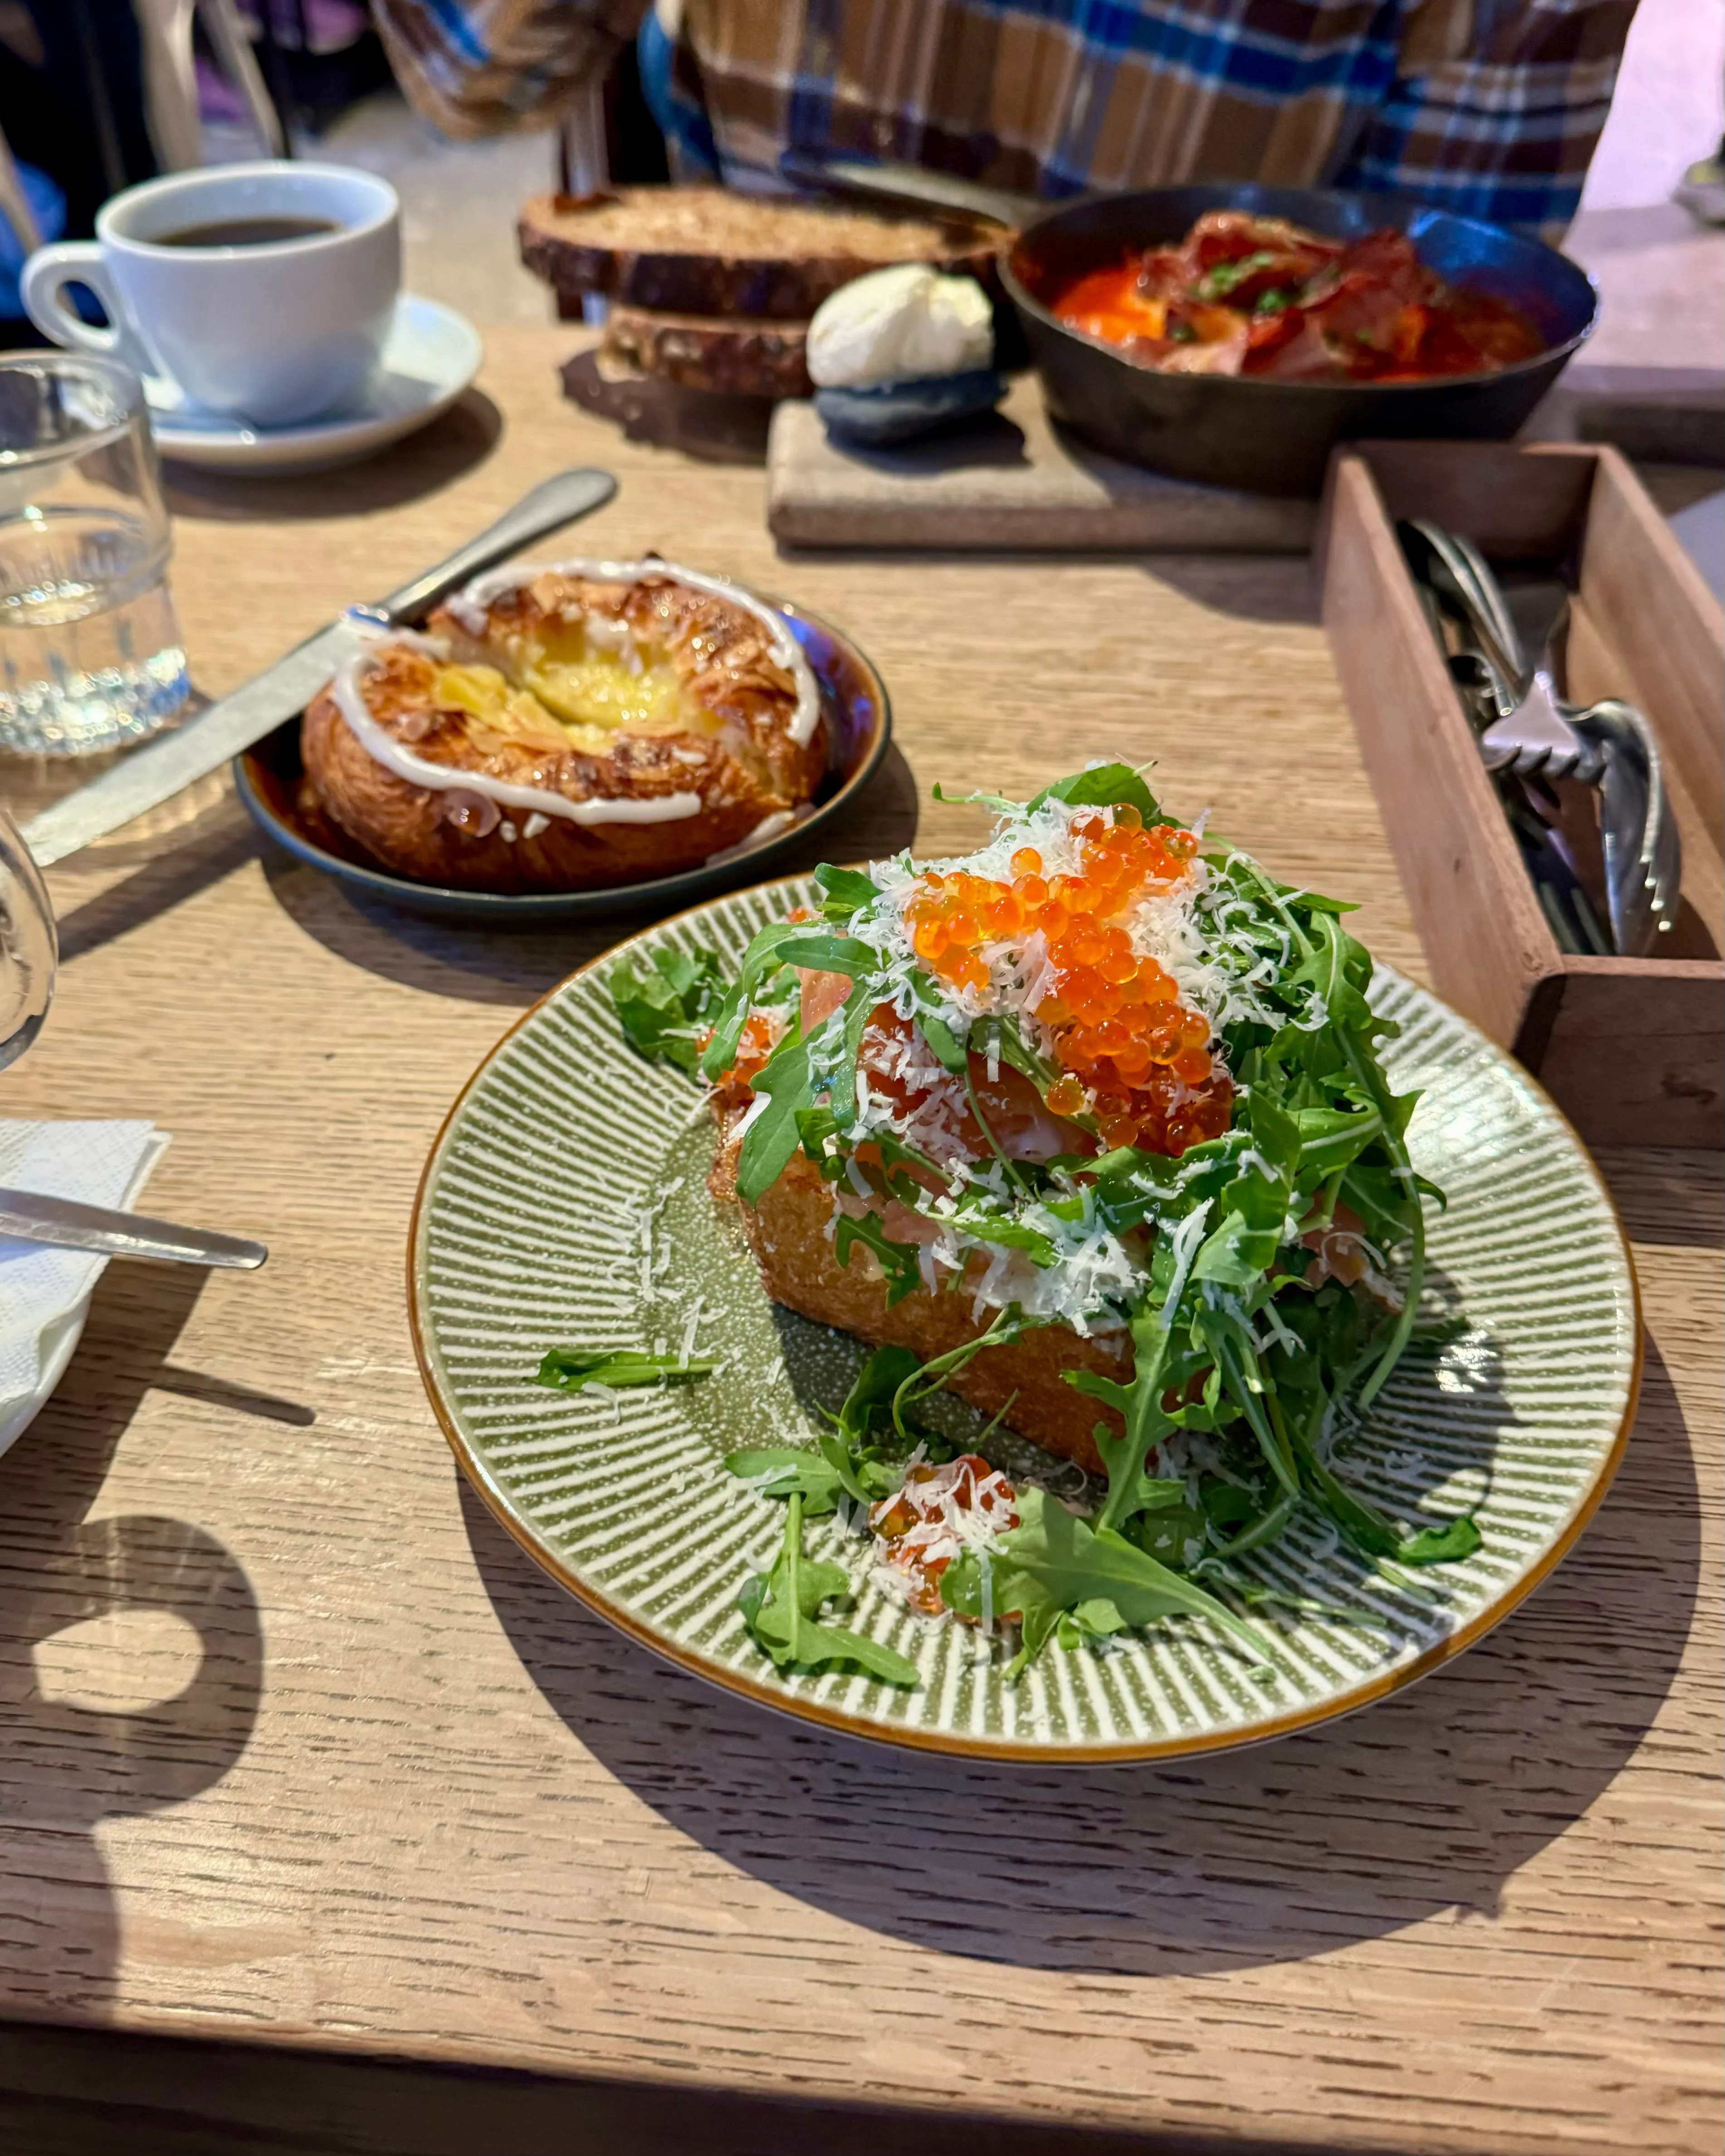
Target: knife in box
(152, 774)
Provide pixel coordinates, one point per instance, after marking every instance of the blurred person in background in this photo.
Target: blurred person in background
(1491, 108)
(72, 117)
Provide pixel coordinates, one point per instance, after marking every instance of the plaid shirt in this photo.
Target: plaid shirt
(1489, 107)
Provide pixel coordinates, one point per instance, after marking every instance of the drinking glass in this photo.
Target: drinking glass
(28, 945)
(90, 656)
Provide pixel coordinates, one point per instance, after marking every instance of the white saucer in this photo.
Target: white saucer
(430, 356)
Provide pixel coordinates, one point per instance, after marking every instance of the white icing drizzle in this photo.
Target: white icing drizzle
(769, 827)
(470, 606)
(380, 745)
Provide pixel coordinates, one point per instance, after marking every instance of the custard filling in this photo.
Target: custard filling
(571, 685)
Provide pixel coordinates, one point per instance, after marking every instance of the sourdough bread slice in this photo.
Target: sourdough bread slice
(708, 251)
(734, 356)
(789, 1233)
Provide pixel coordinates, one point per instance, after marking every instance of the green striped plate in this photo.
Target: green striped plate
(565, 1203)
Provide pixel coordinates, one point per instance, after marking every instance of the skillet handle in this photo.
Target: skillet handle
(911, 183)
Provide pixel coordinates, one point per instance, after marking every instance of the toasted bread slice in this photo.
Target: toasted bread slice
(734, 356)
(708, 251)
(788, 1232)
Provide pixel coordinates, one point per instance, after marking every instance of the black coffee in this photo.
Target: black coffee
(247, 231)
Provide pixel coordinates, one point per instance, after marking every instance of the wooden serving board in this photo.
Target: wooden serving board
(1008, 484)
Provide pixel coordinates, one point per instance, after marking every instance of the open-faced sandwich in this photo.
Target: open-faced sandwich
(581, 724)
(1090, 1127)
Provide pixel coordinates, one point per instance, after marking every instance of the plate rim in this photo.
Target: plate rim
(495, 909)
(951, 1744)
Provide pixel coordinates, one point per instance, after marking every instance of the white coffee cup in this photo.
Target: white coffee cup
(275, 333)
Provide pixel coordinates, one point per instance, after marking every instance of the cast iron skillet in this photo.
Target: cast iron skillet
(1235, 430)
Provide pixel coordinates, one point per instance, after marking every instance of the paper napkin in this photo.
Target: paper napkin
(41, 1287)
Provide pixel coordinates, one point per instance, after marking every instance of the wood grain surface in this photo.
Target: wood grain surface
(327, 1822)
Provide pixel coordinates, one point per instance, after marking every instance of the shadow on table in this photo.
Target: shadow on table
(464, 437)
(64, 1767)
(209, 850)
(513, 967)
(1267, 588)
(1673, 1197)
(1426, 1804)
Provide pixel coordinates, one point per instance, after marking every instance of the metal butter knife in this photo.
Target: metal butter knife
(70, 1226)
(152, 774)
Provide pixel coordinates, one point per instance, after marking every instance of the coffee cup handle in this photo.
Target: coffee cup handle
(44, 280)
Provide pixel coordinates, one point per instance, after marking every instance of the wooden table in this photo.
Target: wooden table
(327, 1822)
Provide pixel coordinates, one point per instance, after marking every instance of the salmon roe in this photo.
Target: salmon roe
(1132, 1053)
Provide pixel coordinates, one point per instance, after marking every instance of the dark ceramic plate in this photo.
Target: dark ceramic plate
(270, 778)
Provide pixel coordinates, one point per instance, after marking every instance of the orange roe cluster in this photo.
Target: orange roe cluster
(1131, 1053)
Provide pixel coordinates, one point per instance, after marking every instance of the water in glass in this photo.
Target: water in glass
(90, 655)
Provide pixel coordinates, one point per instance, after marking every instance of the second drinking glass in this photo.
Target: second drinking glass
(90, 656)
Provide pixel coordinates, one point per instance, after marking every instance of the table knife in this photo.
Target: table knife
(71, 1226)
(152, 774)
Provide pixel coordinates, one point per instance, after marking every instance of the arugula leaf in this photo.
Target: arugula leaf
(1053, 1561)
(1332, 1137)
(858, 1009)
(848, 891)
(1368, 1529)
(777, 1470)
(1003, 1328)
(997, 1038)
(948, 1050)
(998, 801)
(781, 1610)
(760, 959)
(1236, 1255)
(1233, 1346)
(871, 1392)
(1105, 786)
(860, 1466)
(816, 1127)
(771, 1138)
(1448, 1544)
(974, 1217)
(1131, 1488)
(662, 1005)
(567, 1369)
(1165, 1532)
(829, 954)
(1090, 1621)
(901, 1262)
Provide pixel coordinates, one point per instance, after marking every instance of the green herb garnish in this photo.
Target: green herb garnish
(663, 1002)
(1053, 1562)
(782, 1609)
(1229, 276)
(567, 1369)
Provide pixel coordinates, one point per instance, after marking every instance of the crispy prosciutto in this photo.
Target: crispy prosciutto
(1259, 296)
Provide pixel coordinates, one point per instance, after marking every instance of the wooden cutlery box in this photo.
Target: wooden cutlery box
(1633, 1050)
